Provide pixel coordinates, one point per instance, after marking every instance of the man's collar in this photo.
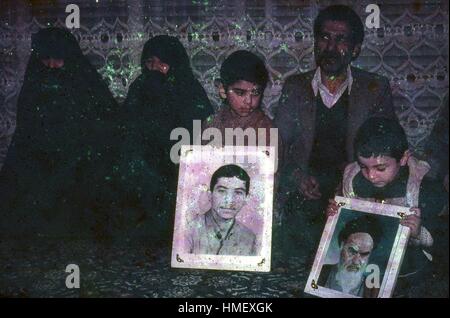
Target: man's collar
(317, 80)
(349, 78)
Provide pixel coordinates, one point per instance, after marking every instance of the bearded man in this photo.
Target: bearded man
(318, 115)
(357, 240)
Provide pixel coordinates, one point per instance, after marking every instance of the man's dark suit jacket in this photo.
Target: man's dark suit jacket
(370, 95)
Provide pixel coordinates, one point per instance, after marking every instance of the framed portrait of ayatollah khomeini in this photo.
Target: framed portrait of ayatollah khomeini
(223, 217)
(360, 252)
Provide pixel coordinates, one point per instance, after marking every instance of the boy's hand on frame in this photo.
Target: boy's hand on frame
(413, 221)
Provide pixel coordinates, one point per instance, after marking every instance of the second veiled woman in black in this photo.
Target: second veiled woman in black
(165, 96)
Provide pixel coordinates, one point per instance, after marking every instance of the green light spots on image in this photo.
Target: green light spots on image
(171, 79)
(204, 4)
(236, 25)
(195, 36)
(201, 2)
(284, 47)
(240, 40)
(119, 77)
(197, 26)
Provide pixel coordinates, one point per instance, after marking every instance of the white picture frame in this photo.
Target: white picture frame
(197, 165)
(398, 236)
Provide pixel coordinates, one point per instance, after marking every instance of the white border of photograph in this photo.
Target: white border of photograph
(213, 157)
(396, 254)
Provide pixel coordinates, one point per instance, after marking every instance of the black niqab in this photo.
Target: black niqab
(59, 162)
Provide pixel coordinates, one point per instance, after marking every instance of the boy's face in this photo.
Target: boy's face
(381, 170)
(228, 197)
(243, 97)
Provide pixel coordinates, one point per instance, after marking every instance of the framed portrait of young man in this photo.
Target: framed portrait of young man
(360, 252)
(223, 217)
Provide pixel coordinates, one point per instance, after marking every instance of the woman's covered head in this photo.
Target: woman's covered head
(55, 47)
(165, 54)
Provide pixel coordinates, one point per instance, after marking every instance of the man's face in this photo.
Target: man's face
(381, 170)
(356, 251)
(228, 197)
(334, 47)
(243, 97)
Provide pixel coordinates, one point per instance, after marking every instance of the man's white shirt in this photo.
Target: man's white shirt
(328, 98)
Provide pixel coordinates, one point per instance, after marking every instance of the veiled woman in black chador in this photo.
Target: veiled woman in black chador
(58, 164)
(165, 96)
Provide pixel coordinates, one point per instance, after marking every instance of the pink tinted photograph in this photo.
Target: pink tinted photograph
(224, 208)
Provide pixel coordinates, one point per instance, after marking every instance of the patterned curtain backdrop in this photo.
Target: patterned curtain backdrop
(410, 47)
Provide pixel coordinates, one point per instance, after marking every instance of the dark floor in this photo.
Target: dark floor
(129, 270)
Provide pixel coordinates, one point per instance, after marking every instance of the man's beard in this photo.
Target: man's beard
(349, 280)
(332, 63)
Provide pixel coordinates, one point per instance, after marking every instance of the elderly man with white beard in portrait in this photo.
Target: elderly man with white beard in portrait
(357, 240)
